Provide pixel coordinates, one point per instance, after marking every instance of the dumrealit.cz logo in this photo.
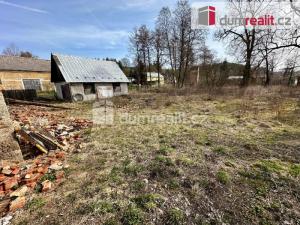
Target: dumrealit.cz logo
(207, 16)
(221, 16)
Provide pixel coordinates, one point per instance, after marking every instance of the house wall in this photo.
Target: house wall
(78, 89)
(58, 90)
(13, 80)
(124, 89)
(101, 89)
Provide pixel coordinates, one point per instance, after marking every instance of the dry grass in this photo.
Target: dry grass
(238, 163)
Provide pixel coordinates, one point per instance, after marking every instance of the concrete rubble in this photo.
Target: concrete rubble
(45, 136)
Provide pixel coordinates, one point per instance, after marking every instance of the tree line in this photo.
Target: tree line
(174, 45)
(13, 50)
(171, 44)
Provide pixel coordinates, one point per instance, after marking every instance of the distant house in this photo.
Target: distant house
(83, 79)
(152, 78)
(19, 73)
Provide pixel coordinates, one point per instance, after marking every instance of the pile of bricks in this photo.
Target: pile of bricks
(18, 180)
(41, 129)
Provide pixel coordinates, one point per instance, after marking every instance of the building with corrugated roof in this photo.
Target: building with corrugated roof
(20, 73)
(84, 79)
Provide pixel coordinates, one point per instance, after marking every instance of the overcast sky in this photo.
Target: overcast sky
(90, 28)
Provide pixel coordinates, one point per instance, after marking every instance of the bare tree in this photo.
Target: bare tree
(125, 62)
(158, 48)
(291, 65)
(135, 49)
(181, 43)
(165, 24)
(244, 41)
(11, 50)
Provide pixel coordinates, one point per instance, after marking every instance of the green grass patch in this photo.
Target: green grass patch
(35, 204)
(165, 150)
(223, 177)
(164, 160)
(270, 166)
(103, 207)
(220, 150)
(115, 175)
(175, 217)
(294, 170)
(49, 176)
(148, 201)
(138, 185)
(132, 169)
(132, 216)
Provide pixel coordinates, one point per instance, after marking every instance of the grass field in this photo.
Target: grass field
(233, 159)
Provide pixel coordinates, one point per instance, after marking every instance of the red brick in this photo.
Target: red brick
(10, 183)
(60, 175)
(47, 185)
(32, 170)
(31, 185)
(16, 171)
(2, 177)
(60, 155)
(35, 177)
(37, 161)
(14, 167)
(2, 194)
(43, 169)
(16, 204)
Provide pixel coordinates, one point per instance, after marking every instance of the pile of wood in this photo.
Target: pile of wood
(43, 142)
(17, 181)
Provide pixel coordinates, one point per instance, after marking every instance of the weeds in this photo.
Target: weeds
(147, 201)
(35, 204)
(175, 217)
(223, 177)
(132, 216)
(294, 170)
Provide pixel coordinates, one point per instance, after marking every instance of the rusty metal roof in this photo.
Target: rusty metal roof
(78, 70)
(17, 63)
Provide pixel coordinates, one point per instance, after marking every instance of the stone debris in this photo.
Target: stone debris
(45, 171)
(6, 220)
(44, 136)
(47, 185)
(16, 204)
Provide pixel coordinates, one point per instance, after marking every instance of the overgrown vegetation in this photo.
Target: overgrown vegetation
(237, 163)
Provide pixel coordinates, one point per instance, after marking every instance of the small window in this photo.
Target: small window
(117, 87)
(89, 88)
(32, 84)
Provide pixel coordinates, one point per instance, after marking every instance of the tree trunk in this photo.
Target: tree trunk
(247, 71)
(267, 81)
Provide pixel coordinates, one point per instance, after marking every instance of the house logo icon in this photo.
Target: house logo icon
(207, 16)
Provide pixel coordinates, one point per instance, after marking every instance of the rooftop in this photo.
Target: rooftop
(77, 69)
(17, 63)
